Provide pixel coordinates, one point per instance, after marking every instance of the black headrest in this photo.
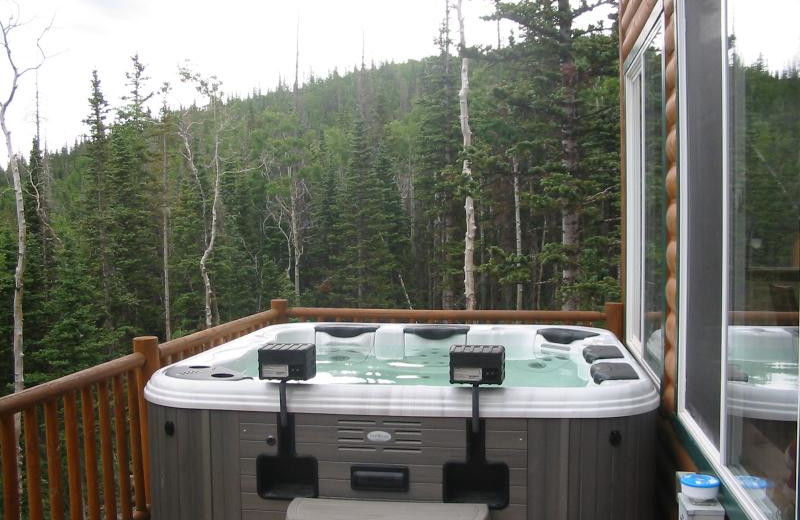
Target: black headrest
(345, 330)
(436, 331)
(565, 336)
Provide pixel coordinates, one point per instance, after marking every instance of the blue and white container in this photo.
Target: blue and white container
(699, 487)
(755, 486)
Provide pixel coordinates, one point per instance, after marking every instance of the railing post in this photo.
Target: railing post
(8, 449)
(147, 346)
(615, 319)
(281, 306)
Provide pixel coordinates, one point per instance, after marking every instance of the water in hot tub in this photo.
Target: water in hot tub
(355, 365)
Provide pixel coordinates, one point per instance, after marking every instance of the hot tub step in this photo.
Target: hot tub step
(330, 509)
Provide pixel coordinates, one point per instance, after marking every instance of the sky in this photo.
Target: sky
(248, 44)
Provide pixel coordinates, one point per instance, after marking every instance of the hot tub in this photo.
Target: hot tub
(570, 431)
(763, 373)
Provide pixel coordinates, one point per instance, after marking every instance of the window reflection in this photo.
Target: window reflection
(764, 238)
(654, 268)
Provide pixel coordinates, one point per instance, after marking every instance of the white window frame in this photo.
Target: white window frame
(715, 457)
(635, 190)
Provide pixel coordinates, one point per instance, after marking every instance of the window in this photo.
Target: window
(645, 239)
(739, 94)
(701, 220)
(763, 174)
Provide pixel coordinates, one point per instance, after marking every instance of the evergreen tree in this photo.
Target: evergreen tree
(94, 218)
(369, 230)
(439, 178)
(133, 232)
(558, 53)
(372, 173)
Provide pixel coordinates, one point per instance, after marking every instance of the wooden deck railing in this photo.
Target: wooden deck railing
(109, 409)
(105, 443)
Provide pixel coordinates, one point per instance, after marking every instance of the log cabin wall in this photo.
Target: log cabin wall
(671, 455)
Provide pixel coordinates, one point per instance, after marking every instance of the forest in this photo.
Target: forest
(347, 190)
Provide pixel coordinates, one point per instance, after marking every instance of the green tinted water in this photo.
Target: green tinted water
(352, 366)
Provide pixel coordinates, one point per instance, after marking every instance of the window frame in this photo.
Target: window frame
(635, 186)
(716, 457)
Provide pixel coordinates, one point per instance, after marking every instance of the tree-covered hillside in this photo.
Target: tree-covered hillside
(344, 191)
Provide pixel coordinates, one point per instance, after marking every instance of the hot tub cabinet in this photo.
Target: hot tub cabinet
(547, 452)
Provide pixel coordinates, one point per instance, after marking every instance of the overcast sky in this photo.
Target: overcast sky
(248, 44)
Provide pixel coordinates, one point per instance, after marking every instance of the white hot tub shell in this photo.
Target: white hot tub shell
(585, 450)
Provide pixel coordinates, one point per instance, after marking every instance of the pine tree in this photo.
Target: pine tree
(437, 182)
(133, 232)
(95, 215)
(37, 271)
(552, 45)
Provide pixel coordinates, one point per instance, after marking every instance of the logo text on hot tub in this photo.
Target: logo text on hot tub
(379, 436)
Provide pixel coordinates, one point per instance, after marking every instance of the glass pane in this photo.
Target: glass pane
(764, 239)
(702, 148)
(634, 114)
(653, 241)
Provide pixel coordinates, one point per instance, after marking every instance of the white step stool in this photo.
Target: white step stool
(339, 509)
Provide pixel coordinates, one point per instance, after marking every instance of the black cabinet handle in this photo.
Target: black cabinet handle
(378, 478)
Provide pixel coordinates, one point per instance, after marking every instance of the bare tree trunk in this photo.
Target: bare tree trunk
(569, 239)
(517, 222)
(294, 221)
(165, 241)
(411, 213)
(483, 276)
(466, 170)
(6, 26)
(541, 265)
(209, 292)
(19, 273)
(360, 277)
(209, 87)
(405, 291)
(448, 296)
(569, 147)
(296, 192)
(185, 135)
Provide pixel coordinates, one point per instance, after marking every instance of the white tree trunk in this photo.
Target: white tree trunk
(469, 203)
(184, 132)
(19, 273)
(6, 26)
(296, 233)
(569, 239)
(165, 244)
(569, 213)
(210, 318)
(517, 223)
(22, 233)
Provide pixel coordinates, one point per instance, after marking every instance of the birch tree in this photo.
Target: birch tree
(517, 222)
(17, 72)
(210, 88)
(165, 211)
(287, 192)
(466, 170)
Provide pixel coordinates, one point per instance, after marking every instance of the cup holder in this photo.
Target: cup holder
(204, 373)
